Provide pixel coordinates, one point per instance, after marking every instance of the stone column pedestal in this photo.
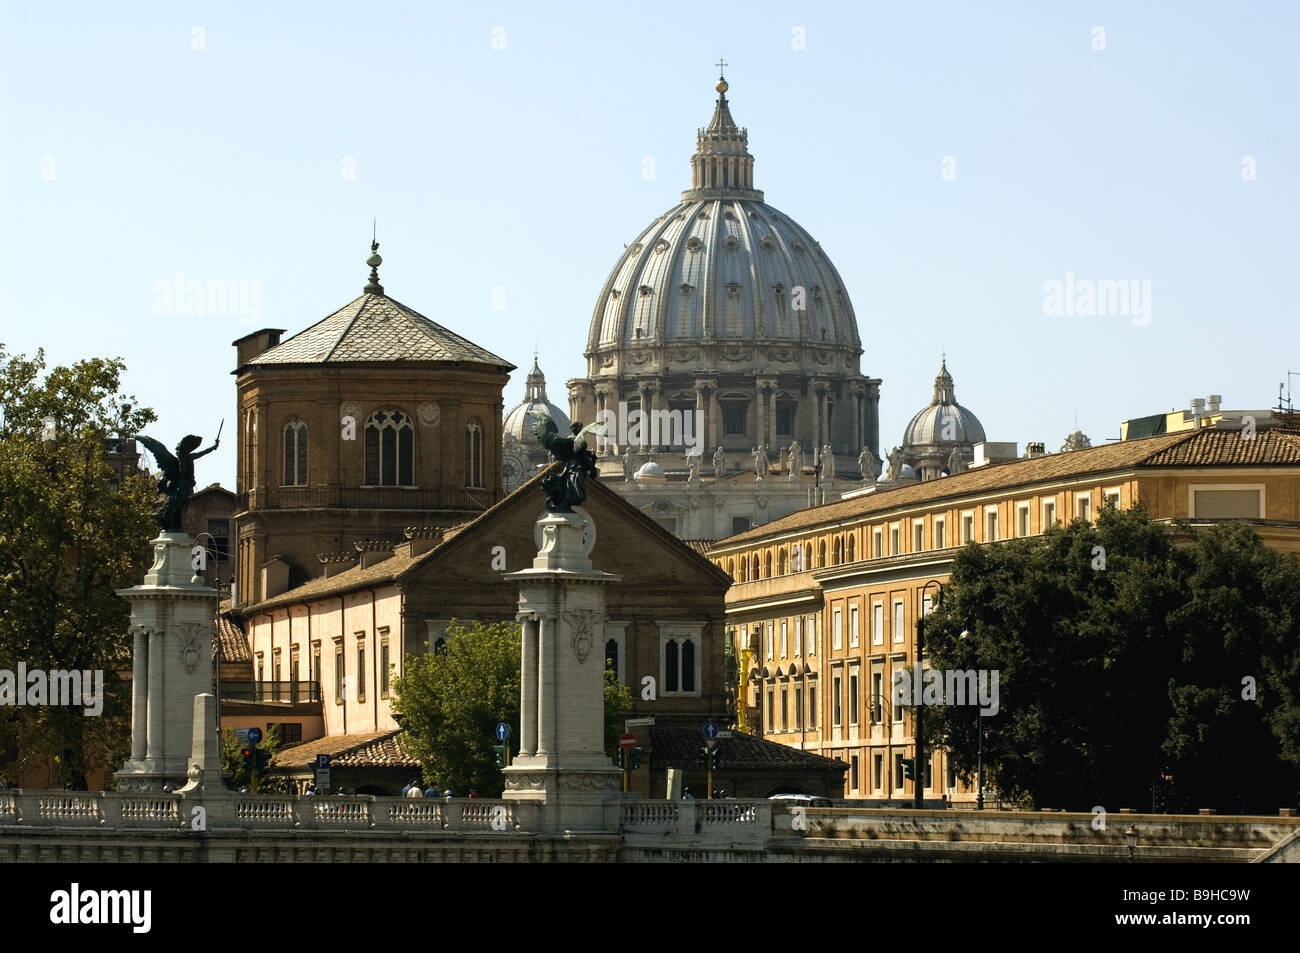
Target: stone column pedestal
(562, 605)
(173, 620)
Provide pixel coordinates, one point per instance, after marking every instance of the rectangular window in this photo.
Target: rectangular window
(898, 620)
(1112, 498)
(1049, 513)
(918, 536)
(275, 666)
(854, 629)
(991, 526)
(733, 419)
(1083, 507)
(814, 629)
(876, 544)
(383, 666)
(293, 673)
(940, 533)
(837, 701)
(894, 545)
(880, 772)
(739, 524)
(289, 732)
(261, 664)
(314, 675)
(837, 630)
(785, 643)
(926, 605)
(1022, 519)
(877, 697)
(812, 705)
(784, 419)
(853, 698)
(967, 527)
(785, 708)
(361, 671)
(877, 624)
(219, 530)
(798, 635)
(339, 672)
(798, 706)
(1227, 503)
(898, 771)
(771, 709)
(770, 640)
(853, 773)
(929, 771)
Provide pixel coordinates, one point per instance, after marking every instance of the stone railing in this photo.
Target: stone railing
(725, 817)
(134, 811)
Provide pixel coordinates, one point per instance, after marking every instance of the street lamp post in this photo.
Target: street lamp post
(919, 780)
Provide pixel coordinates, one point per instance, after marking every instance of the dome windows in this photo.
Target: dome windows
(797, 246)
(733, 290)
(767, 243)
(686, 290)
(646, 291)
(731, 243)
(661, 246)
(694, 244)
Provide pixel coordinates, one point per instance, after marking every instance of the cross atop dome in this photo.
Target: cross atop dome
(722, 165)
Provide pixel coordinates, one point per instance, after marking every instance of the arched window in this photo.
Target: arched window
(671, 666)
(731, 569)
(390, 449)
(780, 563)
(473, 454)
(753, 566)
(821, 553)
(852, 549)
(688, 665)
(295, 452)
(837, 551)
(767, 565)
(611, 655)
(250, 449)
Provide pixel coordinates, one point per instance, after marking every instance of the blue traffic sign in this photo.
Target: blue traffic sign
(254, 736)
(503, 731)
(710, 730)
(322, 762)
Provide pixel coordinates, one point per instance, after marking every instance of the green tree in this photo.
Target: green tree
(69, 537)
(1120, 649)
(450, 702)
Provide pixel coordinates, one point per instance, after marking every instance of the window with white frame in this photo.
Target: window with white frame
(785, 708)
(967, 527)
(1049, 513)
(1226, 501)
(898, 620)
(895, 531)
(926, 605)
(854, 630)
(940, 533)
(680, 657)
(785, 641)
(898, 771)
(876, 544)
(814, 629)
(1111, 497)
(837, 700)
(896, 708)
(877, 623)
(991, 524)
(1022, 519)
(812, 704)
(837, 628)
(1083, 507)
(876, 702)
(771, 708)
(918, 536)
(853, 696)
(879, 772)
(798, 635)
(798, 707)
(770, 640)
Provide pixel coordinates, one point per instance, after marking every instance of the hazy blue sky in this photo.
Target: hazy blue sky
(129, 156)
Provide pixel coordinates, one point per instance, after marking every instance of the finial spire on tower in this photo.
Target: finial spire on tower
(373, 287)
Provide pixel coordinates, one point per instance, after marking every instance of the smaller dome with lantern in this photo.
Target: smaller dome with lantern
(523, 454)
(940, 428)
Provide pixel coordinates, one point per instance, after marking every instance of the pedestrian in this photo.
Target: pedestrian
(406, 789)
(430, 791)
(414, 791)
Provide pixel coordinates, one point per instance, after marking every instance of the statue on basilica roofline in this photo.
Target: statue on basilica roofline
(895, 468)
(760, 461)
(567, 487)
(868, 464)
(956, 464)
(629, 464)
(796, 461)
(177, 481)
(693, 461)
(719, 463)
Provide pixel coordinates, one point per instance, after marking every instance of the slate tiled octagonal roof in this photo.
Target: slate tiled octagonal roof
(375, 328)
(680, 747)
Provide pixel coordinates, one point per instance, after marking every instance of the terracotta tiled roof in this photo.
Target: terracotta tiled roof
(1200, 448)
(234, 645)
(380, 574)
(377, 328)
(700, 546)
(375, 749)
(680, 748)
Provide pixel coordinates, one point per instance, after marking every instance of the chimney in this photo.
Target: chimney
(1213, 403)
(374, 551)
(421, 539)
(335, 563)
(1198, 409)
(251, 345)
(275, 577)
(1033, 450)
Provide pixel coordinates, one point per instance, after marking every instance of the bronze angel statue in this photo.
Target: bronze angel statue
(567, 488)
(177, 480)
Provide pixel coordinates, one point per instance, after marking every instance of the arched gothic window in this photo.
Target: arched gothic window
(611, 655)
(295, 452)
(688, 665)
(473, 454)
(390, 449)
(672, 666)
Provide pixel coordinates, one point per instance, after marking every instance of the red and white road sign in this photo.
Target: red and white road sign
(627, 742)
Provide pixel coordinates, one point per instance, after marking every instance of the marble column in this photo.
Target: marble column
(157, 661)
(545, 714)
(528, 684)
(771, 417)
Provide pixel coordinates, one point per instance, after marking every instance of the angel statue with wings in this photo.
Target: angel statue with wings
(177, 480)
(567, 488)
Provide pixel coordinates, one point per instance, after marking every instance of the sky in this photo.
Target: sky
(953, 159)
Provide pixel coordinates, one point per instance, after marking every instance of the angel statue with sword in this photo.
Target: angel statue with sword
(567, 488)
(177, 480)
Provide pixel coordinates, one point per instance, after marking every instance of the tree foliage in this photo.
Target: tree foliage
(69, 537)
(236, 775)
(1121, 680)
(450, 702)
